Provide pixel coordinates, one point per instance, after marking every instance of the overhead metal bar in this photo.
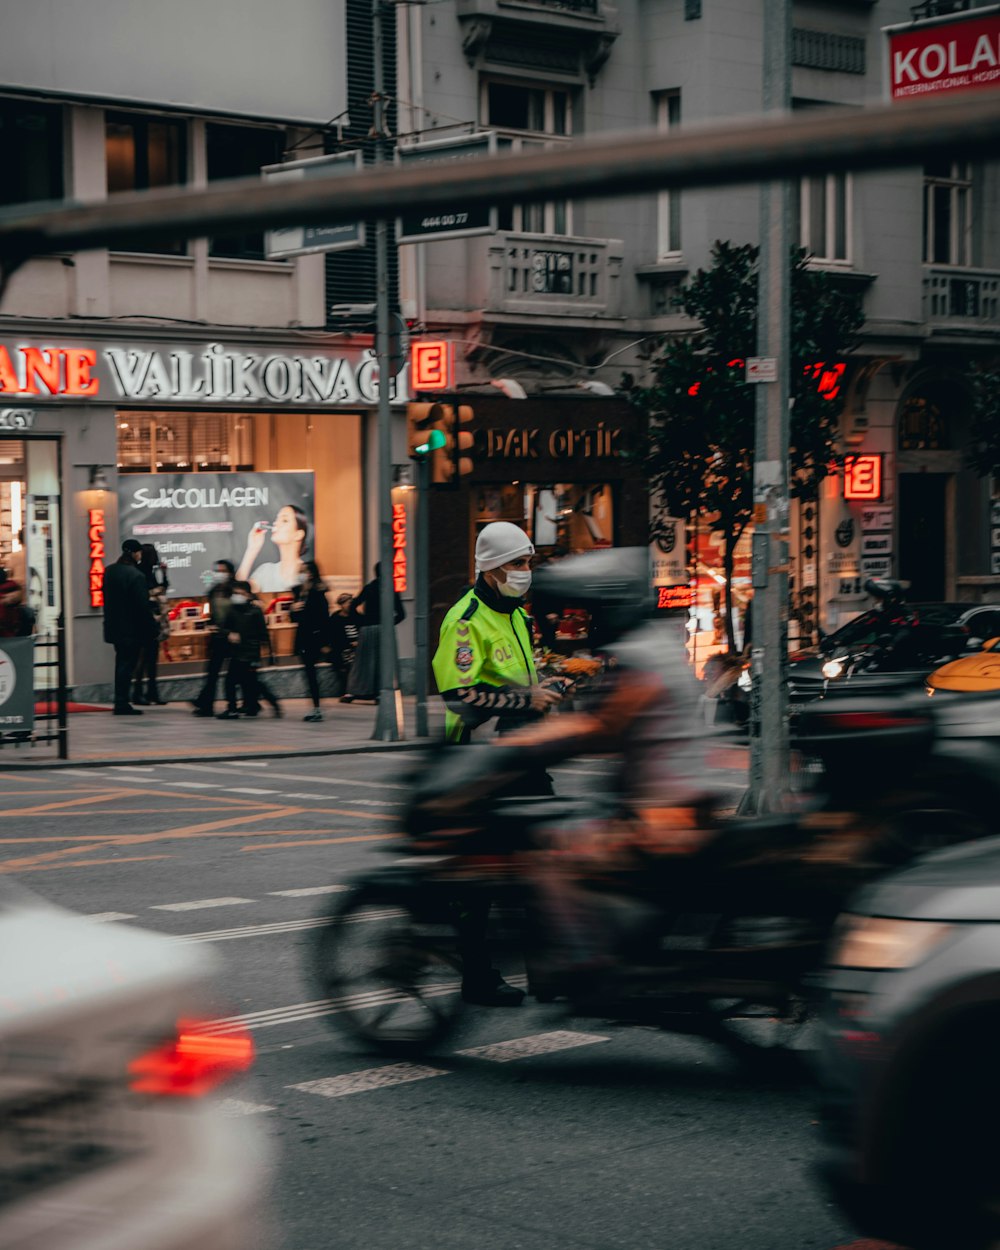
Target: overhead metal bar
(739, 151)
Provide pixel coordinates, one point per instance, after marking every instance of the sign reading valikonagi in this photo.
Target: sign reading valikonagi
(172, 373)
(934, 57)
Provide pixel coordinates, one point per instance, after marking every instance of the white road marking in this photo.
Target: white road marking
(234, 764)
(316, 780)
(303, 891)
(527, 1047)
(373, 1078)
(248, 790)
(253, 930)
(195, 904)
(237, 1107)
(322, 798)
(105, 917)
(195, 785)
(133, 768)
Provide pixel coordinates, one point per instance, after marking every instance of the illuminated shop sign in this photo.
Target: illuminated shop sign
(399, 548)
(863, 476)
(95, 536)
(936, 57)
(431, 363)
(598, 442)
(670, 597)
(195, 373)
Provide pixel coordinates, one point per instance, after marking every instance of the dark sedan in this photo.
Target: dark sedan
(875, 655)
(908, 1054)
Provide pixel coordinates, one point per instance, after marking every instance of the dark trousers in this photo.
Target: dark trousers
(242, 673)
(146, 669)
(309, 659)
(218, 650)
(126, 658)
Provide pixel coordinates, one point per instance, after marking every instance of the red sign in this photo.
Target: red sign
(431, 365)
(673, 596)
(399, 547)
(938, 57)
(60, 371)
(95, 533)
(863, 476)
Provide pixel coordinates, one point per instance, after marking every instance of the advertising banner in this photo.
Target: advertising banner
(17, 684)
(263, 522)
(935, 58)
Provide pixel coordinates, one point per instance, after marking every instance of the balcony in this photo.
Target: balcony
(962, 300)
(570, 39)
(538, 274)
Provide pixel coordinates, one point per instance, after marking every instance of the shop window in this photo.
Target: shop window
(667, 115)
(528, 118)
(31, 138)
(948, 213)
(240, 152)
(143, 152)
(184, 442)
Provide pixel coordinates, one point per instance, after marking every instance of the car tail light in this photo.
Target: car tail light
(870, 720)
(192, 1064)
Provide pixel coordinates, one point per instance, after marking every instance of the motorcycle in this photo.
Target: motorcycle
(721, 944)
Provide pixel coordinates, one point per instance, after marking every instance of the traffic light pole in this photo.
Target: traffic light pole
(387, 727)
(423, 594)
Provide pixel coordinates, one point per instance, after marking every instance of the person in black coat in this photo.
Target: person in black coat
(157, 584)
(129, 623)
(364, 679)
(311, 613)
(246, 632)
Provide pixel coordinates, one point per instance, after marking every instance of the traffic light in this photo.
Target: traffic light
(464, 440)
(435, 430)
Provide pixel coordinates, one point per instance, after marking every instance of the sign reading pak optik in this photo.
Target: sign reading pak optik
(446, 221)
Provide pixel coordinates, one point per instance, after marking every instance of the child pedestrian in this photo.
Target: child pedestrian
(246, 629)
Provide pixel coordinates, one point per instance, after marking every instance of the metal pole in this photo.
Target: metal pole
(769, 652)
(386, 722)
(423, 594)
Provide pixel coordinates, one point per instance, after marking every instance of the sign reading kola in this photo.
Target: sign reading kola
(930, 58)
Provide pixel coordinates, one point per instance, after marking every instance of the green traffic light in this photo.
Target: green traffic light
(435, 441)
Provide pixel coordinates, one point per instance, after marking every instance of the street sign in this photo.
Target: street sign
(446, 221)
(301, 240)
(762, 369)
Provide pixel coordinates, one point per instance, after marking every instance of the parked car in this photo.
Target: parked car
(977, 672)
(909, 1039)
(864, 657)
(111, 1133)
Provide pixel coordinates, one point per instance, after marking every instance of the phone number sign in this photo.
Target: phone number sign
(446, 221)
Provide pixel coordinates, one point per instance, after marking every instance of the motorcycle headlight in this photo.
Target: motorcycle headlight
(832, 669)
(879, 943)
(745, 681)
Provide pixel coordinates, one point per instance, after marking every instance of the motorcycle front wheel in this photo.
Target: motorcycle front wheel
(390, 983)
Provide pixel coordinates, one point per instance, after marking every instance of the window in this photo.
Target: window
(822, 213)
(185, 442)
(667, 105)
(948, 213)
(143, 152)
(240, 152)
(32, 144)
(528, 118)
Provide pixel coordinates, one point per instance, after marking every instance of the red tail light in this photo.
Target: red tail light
(870, 720)
(192, 1065)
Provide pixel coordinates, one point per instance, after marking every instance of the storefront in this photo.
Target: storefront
(252, 452)
(558, 467)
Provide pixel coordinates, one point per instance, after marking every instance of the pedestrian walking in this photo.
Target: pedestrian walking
(129, 624)
(311, 613)
(364, 679)
(17, 620)
(264, 691)
(223, 575)
(157, 583)
(246, 633)
(343, 639)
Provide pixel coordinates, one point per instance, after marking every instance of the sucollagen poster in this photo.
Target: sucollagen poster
(263, 522)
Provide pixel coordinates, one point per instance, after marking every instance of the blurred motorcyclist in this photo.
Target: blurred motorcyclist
(895, 619)
(644, 713)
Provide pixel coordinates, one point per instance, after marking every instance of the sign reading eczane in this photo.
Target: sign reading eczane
(935, 57)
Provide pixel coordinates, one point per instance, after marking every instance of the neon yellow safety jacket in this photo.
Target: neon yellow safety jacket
(483, 665)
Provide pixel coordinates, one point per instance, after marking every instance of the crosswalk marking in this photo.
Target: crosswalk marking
(196, 785)
(237, 1107)
(253, 930)
(527, 1047)
(105, 917)
(197, 903)
(372, 1078)
(248, 790)
(304, 891)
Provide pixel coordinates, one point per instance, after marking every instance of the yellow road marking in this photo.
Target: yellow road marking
(83, 863)
(361, 837)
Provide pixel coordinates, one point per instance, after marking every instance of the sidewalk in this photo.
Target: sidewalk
(172, 734)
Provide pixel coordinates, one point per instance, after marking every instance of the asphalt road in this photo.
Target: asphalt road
(583, 1134)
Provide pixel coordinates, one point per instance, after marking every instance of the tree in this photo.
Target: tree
(700, 411)
(983, 453)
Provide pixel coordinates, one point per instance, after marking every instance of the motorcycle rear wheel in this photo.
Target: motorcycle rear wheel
(390, 986)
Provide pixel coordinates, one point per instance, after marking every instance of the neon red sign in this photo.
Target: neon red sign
(61, 371)
(431, 363)
(863, 476)
(95, 533)
(399, 547)
(674, 597)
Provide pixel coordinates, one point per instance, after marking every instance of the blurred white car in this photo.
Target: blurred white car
(112, 1135)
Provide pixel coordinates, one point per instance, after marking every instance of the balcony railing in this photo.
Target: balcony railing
(591, 7)
(536, 273)
(969, 297)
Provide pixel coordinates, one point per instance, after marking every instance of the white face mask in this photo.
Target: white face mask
(238, 599)
(219, 578)
(518, 583)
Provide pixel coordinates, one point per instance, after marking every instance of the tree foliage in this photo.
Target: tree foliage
(984, 441)
(700, 412)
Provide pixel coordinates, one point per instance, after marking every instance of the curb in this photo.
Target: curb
(152, 761)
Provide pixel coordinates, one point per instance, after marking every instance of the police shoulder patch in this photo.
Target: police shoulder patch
(463, 657)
